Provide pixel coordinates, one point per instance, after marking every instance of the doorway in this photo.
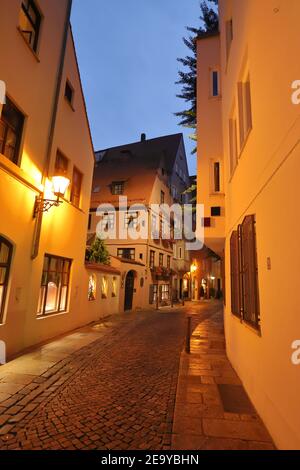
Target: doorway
(129, 289)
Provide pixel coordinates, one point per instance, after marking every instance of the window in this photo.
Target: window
(11, 128)
(104, 287)
(244, 273)
(217, 180)
(108, 221)
(114, 289)
(169, 262)
(117, 187)
(90, 221)
(233, 150)
(180, 253)
(69, 92)
(162, 197)
(61, 163)
(76, 187)
(215, 83)
(165, 292)
(229, 36)
(92, 288)
(215, 211)
(206, 222)
(131, 219)
(30, 22)
(245, 112)
(54, 285)
(153, 293)
(127, 253)
(6, 250)
(152, 259)
(161, 260)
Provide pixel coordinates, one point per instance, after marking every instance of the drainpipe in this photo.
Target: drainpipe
(39, 218)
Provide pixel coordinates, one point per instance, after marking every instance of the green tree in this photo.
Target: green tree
(98, 252)
(188, 78)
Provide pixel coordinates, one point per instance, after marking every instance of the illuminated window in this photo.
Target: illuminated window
(104, 287)
(165, 292)
(54, 285)
(11, 129)
(114, 287)
(5, 263)
(30, 22)
(152, 259)
(92, 287)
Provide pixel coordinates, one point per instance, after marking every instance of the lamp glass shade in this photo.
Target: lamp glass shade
(60, 185)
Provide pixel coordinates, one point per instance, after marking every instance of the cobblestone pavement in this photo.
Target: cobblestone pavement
(116, 393)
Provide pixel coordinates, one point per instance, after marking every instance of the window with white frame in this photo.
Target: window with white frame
(245, 111)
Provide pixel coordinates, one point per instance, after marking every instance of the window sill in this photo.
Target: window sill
(35, 55)
(247, 325)
(217, 193)
(51, 315)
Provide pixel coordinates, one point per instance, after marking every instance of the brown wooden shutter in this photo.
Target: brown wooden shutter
(249, 271)
(234, 271)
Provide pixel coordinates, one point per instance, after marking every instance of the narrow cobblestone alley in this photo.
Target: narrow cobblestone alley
(116, 393)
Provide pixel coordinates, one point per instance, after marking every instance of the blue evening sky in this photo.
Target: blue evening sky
(127, 52)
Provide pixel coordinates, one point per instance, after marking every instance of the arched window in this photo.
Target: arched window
(104, 287)
(6, 249)
(92, 287)
(114, 287)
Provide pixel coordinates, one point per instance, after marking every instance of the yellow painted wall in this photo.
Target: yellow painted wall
(30, 79)
(265, 183)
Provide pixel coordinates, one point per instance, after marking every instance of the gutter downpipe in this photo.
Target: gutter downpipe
(39, 218)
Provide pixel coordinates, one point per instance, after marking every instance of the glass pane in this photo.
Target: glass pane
(26, 28)
(1, 297)
(10, 144)
(63, 299)
(46, 263)
(2, 275)
(52, 298)
(53, 264)
(4, 253)
(41, 300)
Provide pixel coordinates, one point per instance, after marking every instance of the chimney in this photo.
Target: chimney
(143, 137)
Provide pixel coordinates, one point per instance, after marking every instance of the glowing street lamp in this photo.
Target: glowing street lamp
(60, 185)
(193, 268)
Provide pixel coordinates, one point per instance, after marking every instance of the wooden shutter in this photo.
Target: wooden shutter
(234, 271)
(249, 271)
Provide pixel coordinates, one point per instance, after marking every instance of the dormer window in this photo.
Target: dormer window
(117, 187)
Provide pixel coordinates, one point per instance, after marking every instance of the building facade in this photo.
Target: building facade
(44, 141)
(130, 183)
(260, 126)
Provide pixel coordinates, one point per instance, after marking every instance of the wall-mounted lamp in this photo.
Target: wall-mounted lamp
(60, 185)
(193, 268)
